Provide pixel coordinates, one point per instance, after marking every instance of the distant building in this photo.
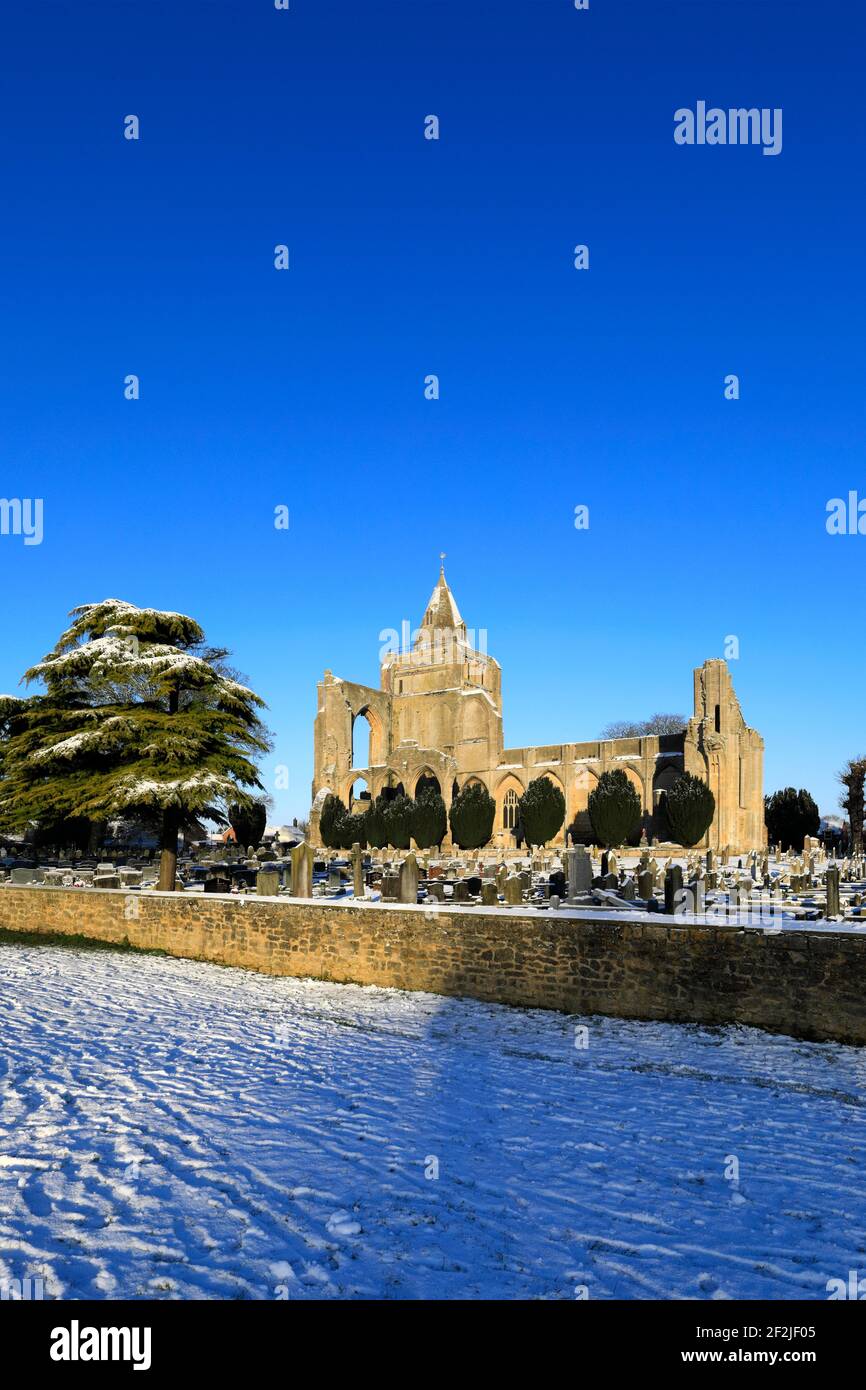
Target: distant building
(437, 719)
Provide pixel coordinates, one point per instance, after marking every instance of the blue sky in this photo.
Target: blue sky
(409, 257)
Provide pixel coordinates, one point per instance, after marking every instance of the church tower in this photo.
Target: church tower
(446, 692)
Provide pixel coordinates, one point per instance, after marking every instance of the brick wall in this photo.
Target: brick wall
(806, 983)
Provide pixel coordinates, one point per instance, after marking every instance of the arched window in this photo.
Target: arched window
(510, 811)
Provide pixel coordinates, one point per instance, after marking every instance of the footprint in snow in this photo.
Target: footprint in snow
(342, 1223)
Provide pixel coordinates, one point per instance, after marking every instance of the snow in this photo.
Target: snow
(132, 791)
(172, 1129)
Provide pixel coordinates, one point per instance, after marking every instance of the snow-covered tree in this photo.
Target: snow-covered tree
(138, 717)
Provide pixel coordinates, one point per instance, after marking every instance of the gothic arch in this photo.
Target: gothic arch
(509, 783)
(376, 745)
(635, 776)
(427, 780)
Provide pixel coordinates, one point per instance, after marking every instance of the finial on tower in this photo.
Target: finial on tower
(442, 559)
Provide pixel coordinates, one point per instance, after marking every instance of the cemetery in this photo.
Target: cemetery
(763, 886)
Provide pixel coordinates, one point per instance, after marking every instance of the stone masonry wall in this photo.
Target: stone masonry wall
(805, 983)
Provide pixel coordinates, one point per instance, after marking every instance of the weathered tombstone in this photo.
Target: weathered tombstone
(513, 891)
(357, 870)
(409, 879)
(696, 889)
(489, 894)
(267, 883)
(106, 880)
(831, 879)
(461, 891)
(390, 887)
(215, 885)
(627, 890)
(673, 886)
(302, 871)
(645, 885)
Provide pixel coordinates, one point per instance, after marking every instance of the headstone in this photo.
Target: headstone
(673, 886)
(513, 891)
(557, 884)
(831, 879)
(489, 895)
(267, 883)
(461, 891)
(645, 885)
(106, 880)
(302, 871)
(357, 870)
(409, 879)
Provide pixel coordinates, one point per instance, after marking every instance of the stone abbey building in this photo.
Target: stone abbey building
(438, 716)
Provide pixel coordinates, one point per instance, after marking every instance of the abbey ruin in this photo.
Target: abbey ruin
(438, 716)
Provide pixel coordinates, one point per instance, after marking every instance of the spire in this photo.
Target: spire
(442, 610)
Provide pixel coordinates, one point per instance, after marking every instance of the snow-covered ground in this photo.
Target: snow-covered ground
(173, 1129)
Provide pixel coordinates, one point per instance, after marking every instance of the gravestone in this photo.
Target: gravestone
(583, 871)
(832, 881)
(390, 887)
(302, 871)
(409, 879)
(673, 886)
(357, 870)
(513, 891)
(645, 885)
(267, 883)
(557, 883)
(489, 895)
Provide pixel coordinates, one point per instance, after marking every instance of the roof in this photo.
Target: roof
(442, 610)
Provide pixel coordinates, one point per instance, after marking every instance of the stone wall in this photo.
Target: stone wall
(808, 983)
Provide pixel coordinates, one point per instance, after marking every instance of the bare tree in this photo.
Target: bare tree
(656, 724)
